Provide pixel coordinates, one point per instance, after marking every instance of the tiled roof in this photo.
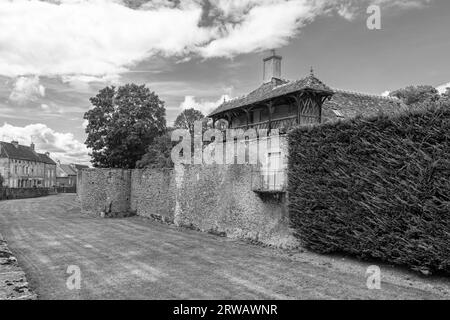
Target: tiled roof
(345, 104)
(270, 90)
(8, 150)
(80, 166)
(46, 159)
(65, 170)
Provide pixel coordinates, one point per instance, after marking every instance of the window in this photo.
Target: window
(338, 113)
(271, 176)
(274, 174)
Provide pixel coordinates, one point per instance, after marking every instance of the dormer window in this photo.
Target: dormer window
(338, 113)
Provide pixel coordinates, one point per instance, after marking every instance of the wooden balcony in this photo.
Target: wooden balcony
(283, 124)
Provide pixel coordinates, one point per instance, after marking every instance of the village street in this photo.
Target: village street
(137, 258)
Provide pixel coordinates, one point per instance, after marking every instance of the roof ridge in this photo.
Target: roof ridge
(366, 94)
(21, 152)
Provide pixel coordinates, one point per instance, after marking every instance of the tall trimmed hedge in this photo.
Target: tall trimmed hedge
(375, 188)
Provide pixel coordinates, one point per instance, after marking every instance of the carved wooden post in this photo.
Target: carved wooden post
(227, 116)
(298, 101)
(270, 108)
(320, 104)
(247, 116)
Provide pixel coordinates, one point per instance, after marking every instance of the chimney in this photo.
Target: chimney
(32, 146)
(272, 67)
(15, 143)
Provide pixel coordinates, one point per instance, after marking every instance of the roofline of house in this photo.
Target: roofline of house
(38, 155)
(363, 94)
(212, 114)
(334, 90)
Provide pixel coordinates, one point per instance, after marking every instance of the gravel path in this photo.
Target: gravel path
(136, 258)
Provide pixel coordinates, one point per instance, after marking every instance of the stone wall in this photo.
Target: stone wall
(212, 198)
(13, 281)
(153, 194)
(216, 199)
(23, 193)
(221, 199)
(104, 190)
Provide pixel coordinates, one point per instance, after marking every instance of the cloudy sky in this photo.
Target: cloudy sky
(55, 54)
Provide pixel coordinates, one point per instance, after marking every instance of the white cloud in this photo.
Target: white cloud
(270, 25)
(204, 106)
(105, 37)
(94, 37)
(62, 146)
(52, 108)
(402, 4)
(27, 89)
(346, 12)
(111, 78)
(385, 94)
(82, 82)
(443, 88)
(349, 9)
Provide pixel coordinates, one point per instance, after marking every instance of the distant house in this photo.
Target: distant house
(78, 167)
(22, 167)
(283, 104)
(66, 174)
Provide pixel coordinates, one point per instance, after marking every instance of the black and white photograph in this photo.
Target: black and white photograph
(221, 158)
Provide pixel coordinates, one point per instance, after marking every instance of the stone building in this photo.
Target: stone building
(78, 167)
(66, 174)
(239, 201)
(282, 104)
(22, 167)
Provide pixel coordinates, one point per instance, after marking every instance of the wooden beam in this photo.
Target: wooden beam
(226, 116)
(251, 107)
(247, 115)
(299, 107)
(270, 108)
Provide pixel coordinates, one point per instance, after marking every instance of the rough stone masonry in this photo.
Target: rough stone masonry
(217, 198)
(13, 282)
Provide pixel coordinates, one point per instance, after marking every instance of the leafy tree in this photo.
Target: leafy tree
(187, 118)
(122, 124)
(158, 153)
(222, 124)
(445, 98)
(414, 95)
